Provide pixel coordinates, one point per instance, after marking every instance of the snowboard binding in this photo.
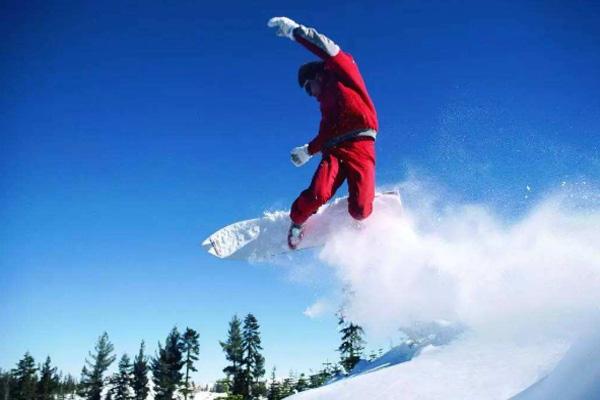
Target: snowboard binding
(295, 235)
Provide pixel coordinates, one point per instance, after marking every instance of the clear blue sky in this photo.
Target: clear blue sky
(131, 131)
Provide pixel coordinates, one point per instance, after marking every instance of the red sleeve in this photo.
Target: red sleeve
(340, 62)
(344, 66)
(315, 145)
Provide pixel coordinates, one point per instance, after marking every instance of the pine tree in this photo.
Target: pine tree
(221, 386)
(259, 389)
(234, 353)
(6, 385)
(253, 364)
(336, 370)
(352, 343)
(191, 349)
(302, 383)
(121, 381)
(166, 367)
(318, 379)
(70, 385)
(82, 386)
(92, 375)
(274, 392)
(139, 382)
(288, 385)
(48, 383)
(25, 378)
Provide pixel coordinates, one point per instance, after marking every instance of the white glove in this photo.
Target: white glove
(285, 26)
(300, 155)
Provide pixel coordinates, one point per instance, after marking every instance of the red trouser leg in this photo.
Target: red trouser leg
(358, 162)
(327, 179)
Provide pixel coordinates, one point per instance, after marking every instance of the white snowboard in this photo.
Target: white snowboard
(262, 238)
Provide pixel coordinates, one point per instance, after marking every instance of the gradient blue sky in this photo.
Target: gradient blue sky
(131, 131)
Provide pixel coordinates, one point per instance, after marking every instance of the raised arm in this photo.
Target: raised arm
(336, 60)
(314, 41)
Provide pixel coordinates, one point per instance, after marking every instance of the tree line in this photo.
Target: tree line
(171, 367)
(244, 374)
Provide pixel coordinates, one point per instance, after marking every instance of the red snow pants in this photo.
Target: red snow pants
(352, 160)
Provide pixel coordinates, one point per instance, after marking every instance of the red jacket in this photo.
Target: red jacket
(344, 101)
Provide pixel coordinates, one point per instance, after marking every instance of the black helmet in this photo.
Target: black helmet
(309, 71)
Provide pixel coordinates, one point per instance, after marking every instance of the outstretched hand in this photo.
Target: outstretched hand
(285, 26)
(300, 156)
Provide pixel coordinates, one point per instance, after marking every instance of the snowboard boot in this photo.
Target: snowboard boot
(295, 235)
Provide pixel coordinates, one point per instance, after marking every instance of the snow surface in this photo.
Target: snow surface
(208, 396)
(417, 338)
(576, 377)
(471, 368)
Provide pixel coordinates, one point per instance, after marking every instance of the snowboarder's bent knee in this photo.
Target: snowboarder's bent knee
(360, 211)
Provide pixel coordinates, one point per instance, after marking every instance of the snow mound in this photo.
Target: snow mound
(471, 368)
(419, 337)
(576, 377)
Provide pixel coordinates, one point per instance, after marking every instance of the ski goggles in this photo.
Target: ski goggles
(306, 87)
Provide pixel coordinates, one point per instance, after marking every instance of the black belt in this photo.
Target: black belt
(349, 136)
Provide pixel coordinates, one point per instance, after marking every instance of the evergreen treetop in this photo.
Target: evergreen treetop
(121, 381)
(25, 379)
(49, 381)
(139, 379)
(253, 362)
(92, 379)
(191, 350)
(234, 353)
(166, 367)
(352, 343)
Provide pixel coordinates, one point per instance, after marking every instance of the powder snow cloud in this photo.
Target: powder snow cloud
(461, 262)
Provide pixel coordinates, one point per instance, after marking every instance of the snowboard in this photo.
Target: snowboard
(265, 237)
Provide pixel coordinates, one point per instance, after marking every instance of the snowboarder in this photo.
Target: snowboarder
(346, 137)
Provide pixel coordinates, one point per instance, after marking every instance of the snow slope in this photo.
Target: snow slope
(208, 396)
(471, 368)
(576, 377)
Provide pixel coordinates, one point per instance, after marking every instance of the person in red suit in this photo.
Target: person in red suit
(347, 132)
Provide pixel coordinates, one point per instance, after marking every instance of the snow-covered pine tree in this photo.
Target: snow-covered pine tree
(274, 392)
(92, 375)
(166, 367)
(121, 381)
(48, 384)
(302, 383)
(318, 379)
(71, 386)
(221, 386)
(234, 353)
(253, 362)
(60, 387)
(139, 380)
(352, 343)
(288, 386)
(25, 379)
(191, 349)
